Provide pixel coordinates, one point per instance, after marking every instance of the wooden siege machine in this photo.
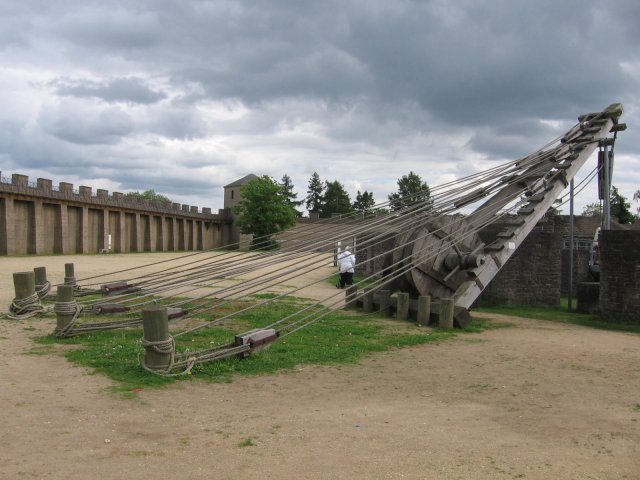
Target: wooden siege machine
(445, 258)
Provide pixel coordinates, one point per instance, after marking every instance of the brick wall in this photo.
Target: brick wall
(531, 276)
(620, 276)
(580, 270)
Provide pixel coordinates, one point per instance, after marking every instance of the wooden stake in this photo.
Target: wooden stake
(64, 295)
(424, 310)
(40, 274)
(403, 306)
(24, 284)
(69, 274)
(384, 297)
(155, 326)
(367, 301)
(445, 319)
(350, 296)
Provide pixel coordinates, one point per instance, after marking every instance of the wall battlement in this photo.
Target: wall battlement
(41, 218)
(44, 188)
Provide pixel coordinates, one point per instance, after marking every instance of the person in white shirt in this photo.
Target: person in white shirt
(346, 266)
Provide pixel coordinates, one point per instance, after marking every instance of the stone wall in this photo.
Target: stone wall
(40, 218)
(580, 269)
(620, 276)
(532, 274)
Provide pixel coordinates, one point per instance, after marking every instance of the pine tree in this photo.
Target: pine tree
(291, 196)
(315, 194)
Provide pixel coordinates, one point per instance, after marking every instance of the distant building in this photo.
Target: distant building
(232, 197)
(232, 192)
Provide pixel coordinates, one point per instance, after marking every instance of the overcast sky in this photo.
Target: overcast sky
(184, 97)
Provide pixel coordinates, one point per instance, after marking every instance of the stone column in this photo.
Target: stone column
(105, 229)
(39, 230)
(84, 228)
(137, 243)
(63, 218)
(153, 232)
(200, 235)
(122, 232)
(7, 230)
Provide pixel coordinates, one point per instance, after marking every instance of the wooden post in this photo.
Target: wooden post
(403, 306)
(367, 301)
(445, 319)
(155, 327)
(40, 274)
(424, 310)
(69, 274)
(24, 284)
(384, 297)
(42, 285)
(64, 296)
(350, 296)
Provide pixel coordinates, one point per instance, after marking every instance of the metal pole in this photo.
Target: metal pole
(570, 302)
(606, 208)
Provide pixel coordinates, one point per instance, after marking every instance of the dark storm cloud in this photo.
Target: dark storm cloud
(113, 90)
(305, 85)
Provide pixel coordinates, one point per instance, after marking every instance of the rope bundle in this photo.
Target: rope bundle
(43, 290)
(67, 308)
(25, 307)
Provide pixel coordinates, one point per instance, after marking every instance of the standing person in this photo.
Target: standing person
(346, 266)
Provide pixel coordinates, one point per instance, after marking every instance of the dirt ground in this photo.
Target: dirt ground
(538, 400)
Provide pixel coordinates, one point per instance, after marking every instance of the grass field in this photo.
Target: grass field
(338, 338)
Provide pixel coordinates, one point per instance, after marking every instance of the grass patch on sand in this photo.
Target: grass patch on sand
(339, 338)
(558, 314)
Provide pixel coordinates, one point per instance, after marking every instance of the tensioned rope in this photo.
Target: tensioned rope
(291, 328)
(313, 246)
(319, 224)
(431, 205)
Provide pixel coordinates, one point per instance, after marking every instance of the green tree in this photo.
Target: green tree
(291, 196)
(315, 193)
(592, 209)
(620, 207)
(411, 191)
(335, 200)
(364, 202)
(149, 196)
(263, 211)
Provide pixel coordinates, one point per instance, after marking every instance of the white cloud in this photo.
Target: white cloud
(187, 97)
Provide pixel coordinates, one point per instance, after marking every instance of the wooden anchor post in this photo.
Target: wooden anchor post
(402, 312)
(41, 283)
(445, 319)
(64, 314)
(40, 275)
(384, 297)
(24, 285)
(424, 310)
(158, 345)
(69, 274)
(367, 301)
(350, 296)
(26, 303)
